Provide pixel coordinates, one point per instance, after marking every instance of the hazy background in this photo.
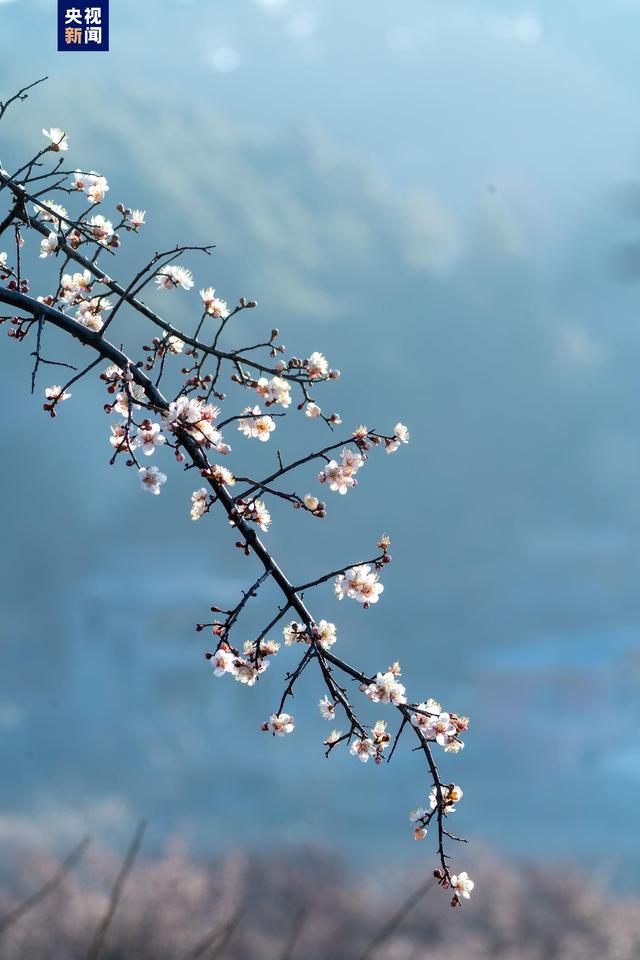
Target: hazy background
(441, 196)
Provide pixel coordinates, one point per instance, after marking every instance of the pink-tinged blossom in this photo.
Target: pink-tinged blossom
(317, 367)
(136, 219)
(56, 393)
(333, 738)
(148, 437)
(254, 423)
(441, 729)
(359, 583)
(58, 138)
(312, 410)
(101, 228)
(362, 749)
(174, 276)
(213, 305)
(151, 479)
(194, 417)
(280, 724)
(386, 689)
(223, 661)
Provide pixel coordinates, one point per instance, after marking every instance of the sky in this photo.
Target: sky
(443, 197)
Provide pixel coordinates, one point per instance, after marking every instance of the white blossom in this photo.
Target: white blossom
(386, 689)
(101, 228)
(121, 405)
(317, 366)
(451, 795)
(151, 479)
(333, 737)
(174, 276)
(462, 884)
(118, 438)
(312, 410)
(253, 423)
(280, 724)
(223, 662)
(198, 503)
(293, 632)
(94, 185)
(441, 729)
(58, 139)
(400, 435)
(326, 633)
(148, 437)
(275, 390)
(50, 212)
(49, 245)
(136, 219)
(327, 708)
(359, 583)
(56, 393)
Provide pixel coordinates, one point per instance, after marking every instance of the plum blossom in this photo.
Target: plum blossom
(101, 228)
(56, 393)
(49, 245)
(151, 479)
(119, 439)
(121, 405)
(341, 476)
(327, 708)
(294, 632)
(174, 276)
(441, 729)
(333, 737)
(275, 390)
(362, 748)
(254, 423)
(419, 816)
(75, 285)
(136, 219)
(257, 512)
(222, 475)
(174, 345)
(148, 437)
(421, 720)
(400, 435)
(462, 884)
(199, 503)
(451, 795)
(50, 212)
(223, 662)
(3, 260)
(386, 689)
(93, 184)
(248, 673)
(326, 634)
(311, 503)
(312, 411)
(89, 312)
(280, 724)
(213, 305)
(317, 366)
(58, 138)
(359, 583)
(194, 417)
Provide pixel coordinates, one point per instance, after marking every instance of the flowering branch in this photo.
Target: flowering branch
(151, 414)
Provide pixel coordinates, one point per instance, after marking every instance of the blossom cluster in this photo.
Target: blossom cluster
(359, 583)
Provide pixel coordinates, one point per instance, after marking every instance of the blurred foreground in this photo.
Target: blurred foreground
(306, 906)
